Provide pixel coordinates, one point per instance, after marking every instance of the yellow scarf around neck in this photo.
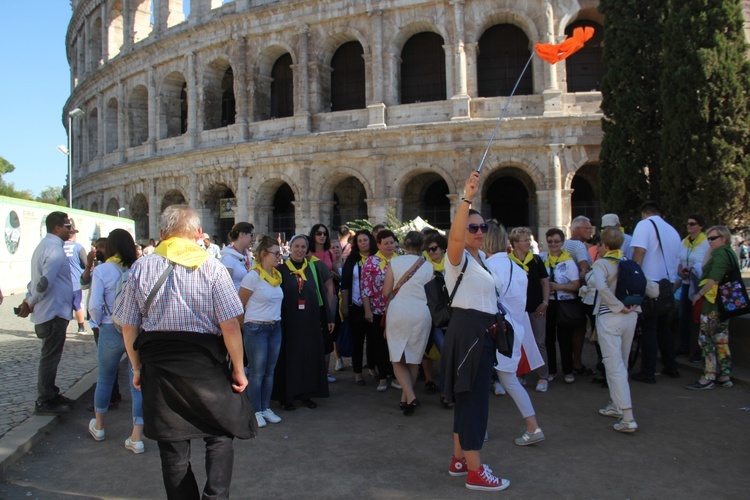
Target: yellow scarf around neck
(299, 272)
(697, 241)
(116, 259)
(383, 260)
(524, 263)
(181, 251)
(613, 254)
(362, 259)
(437, 266)
(273, 279)
(565, 255)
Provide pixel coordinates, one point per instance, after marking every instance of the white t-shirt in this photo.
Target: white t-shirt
(356, 294)
(644, 236)
(565, 272)
(265, 302)
(477, 289)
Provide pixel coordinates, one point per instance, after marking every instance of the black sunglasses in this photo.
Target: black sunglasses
(433, 249)
(473, 228)
(321, 233)
(712, 238)
(692, 223)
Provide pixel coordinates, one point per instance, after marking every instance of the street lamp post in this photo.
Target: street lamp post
(75, 113)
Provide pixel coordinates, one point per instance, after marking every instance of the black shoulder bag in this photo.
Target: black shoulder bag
(438, 300)
(664, 302)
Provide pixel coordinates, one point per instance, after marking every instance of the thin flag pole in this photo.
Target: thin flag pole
(502, 114)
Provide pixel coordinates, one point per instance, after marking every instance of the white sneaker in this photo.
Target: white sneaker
(569, 379)
(551, 377)
(499, 389)
(331, 379)
(270, 416)
(611, 410)
(135, 446)
(260, 419)
(339, 365)
(97, 434)
(542, 385)
(395, 384)
(626, 426)
(528, 438)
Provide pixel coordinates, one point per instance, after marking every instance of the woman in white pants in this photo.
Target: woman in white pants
(511, 282)
(615, 326)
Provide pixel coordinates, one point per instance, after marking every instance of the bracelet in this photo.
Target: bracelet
(467, 201)
(545, 303)
(135, 372)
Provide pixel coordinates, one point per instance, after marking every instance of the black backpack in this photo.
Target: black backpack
(631, 282)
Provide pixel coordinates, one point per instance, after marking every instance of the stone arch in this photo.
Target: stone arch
(347, 188)
(585, 198)
(111, 126)
(588, 10)
(142, 12)
(139, 213)
(528, 167)
(217, 219)
(422, 72)
(138, 115)
(219, 104)
(269, 191)
(113, 206)
(115, 30)
(173, 111)
(413, 27)
(425, 195)
(509, 195)
(343, 73)
(517, 18)
(95, 43)
(263, 79)
(172, 197)
(584, 70)
(94, 207)
(325, 187)
(503, 51)
(92, 131)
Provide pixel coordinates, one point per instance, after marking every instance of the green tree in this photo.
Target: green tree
(705, 85)
(52, 195)
(631, 102)
(7, 188)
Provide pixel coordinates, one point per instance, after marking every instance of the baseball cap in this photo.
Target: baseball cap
(610, 220)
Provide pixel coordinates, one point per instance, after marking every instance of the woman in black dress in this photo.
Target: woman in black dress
(301, 370)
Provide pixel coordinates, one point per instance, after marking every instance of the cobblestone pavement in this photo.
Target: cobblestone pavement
(19, 358)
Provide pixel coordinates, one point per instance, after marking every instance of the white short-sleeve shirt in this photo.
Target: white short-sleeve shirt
(265, 302)
(477, 289)
(655, 266)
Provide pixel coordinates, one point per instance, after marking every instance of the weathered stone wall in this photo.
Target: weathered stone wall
(139, 146)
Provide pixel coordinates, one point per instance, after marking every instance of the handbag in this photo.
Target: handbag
(664, 302)
(570, 313)
(731, 298)
(502, 334)
(438, 300)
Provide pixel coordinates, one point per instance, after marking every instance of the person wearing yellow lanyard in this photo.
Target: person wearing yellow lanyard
(537, 295)
(714, 334)
(120, 255)
(692, 252)
(301, 368)
(564, 284)
(435, 245)
(261, 296)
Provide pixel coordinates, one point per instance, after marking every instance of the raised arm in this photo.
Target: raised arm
(456, 238)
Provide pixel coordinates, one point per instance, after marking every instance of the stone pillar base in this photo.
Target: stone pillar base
(302, 124)
(461, 107)
(376, 115)
(552, 103)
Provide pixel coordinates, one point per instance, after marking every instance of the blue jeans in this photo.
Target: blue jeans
(262, 343)
(109, 353)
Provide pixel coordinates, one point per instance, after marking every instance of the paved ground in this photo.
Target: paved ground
(358, 445)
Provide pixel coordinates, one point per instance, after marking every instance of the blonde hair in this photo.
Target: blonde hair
(496, 240)
(518, 232)
(722, 230)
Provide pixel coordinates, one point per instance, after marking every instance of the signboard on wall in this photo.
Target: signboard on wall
(227, 208)
(24, 227)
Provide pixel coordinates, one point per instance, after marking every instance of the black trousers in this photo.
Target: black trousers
(378, 348)
(52, 335)
(358, 326)
(177, 472)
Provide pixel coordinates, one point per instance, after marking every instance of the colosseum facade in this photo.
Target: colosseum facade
(285, 113)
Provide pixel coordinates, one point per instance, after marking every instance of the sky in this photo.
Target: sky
(34, 85)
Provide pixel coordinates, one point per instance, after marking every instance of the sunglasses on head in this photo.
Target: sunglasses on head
(433, 249)
(321, 233)
(474, 228)
(712, 238)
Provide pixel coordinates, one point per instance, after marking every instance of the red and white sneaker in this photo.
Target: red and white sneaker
(482, 479)
(458, 467)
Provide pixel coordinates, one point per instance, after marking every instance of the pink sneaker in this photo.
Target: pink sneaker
(482, 479)
(458, 467)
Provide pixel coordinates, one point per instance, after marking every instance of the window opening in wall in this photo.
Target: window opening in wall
(142, 20)
(283, 211)
(227, 99)
(115, 30)
(349, 201)
(436, 208)
(111, 126)
(95, 43)
(585, 69)
(282, 88)
(348, 78)
(509, 202)
(423, 69)
(183, 109)
(584, 200)
(502, 54)
(138, 116)
(172, 197)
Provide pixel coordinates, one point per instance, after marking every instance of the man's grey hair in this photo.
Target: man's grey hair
(578, 221)
(179, 221)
